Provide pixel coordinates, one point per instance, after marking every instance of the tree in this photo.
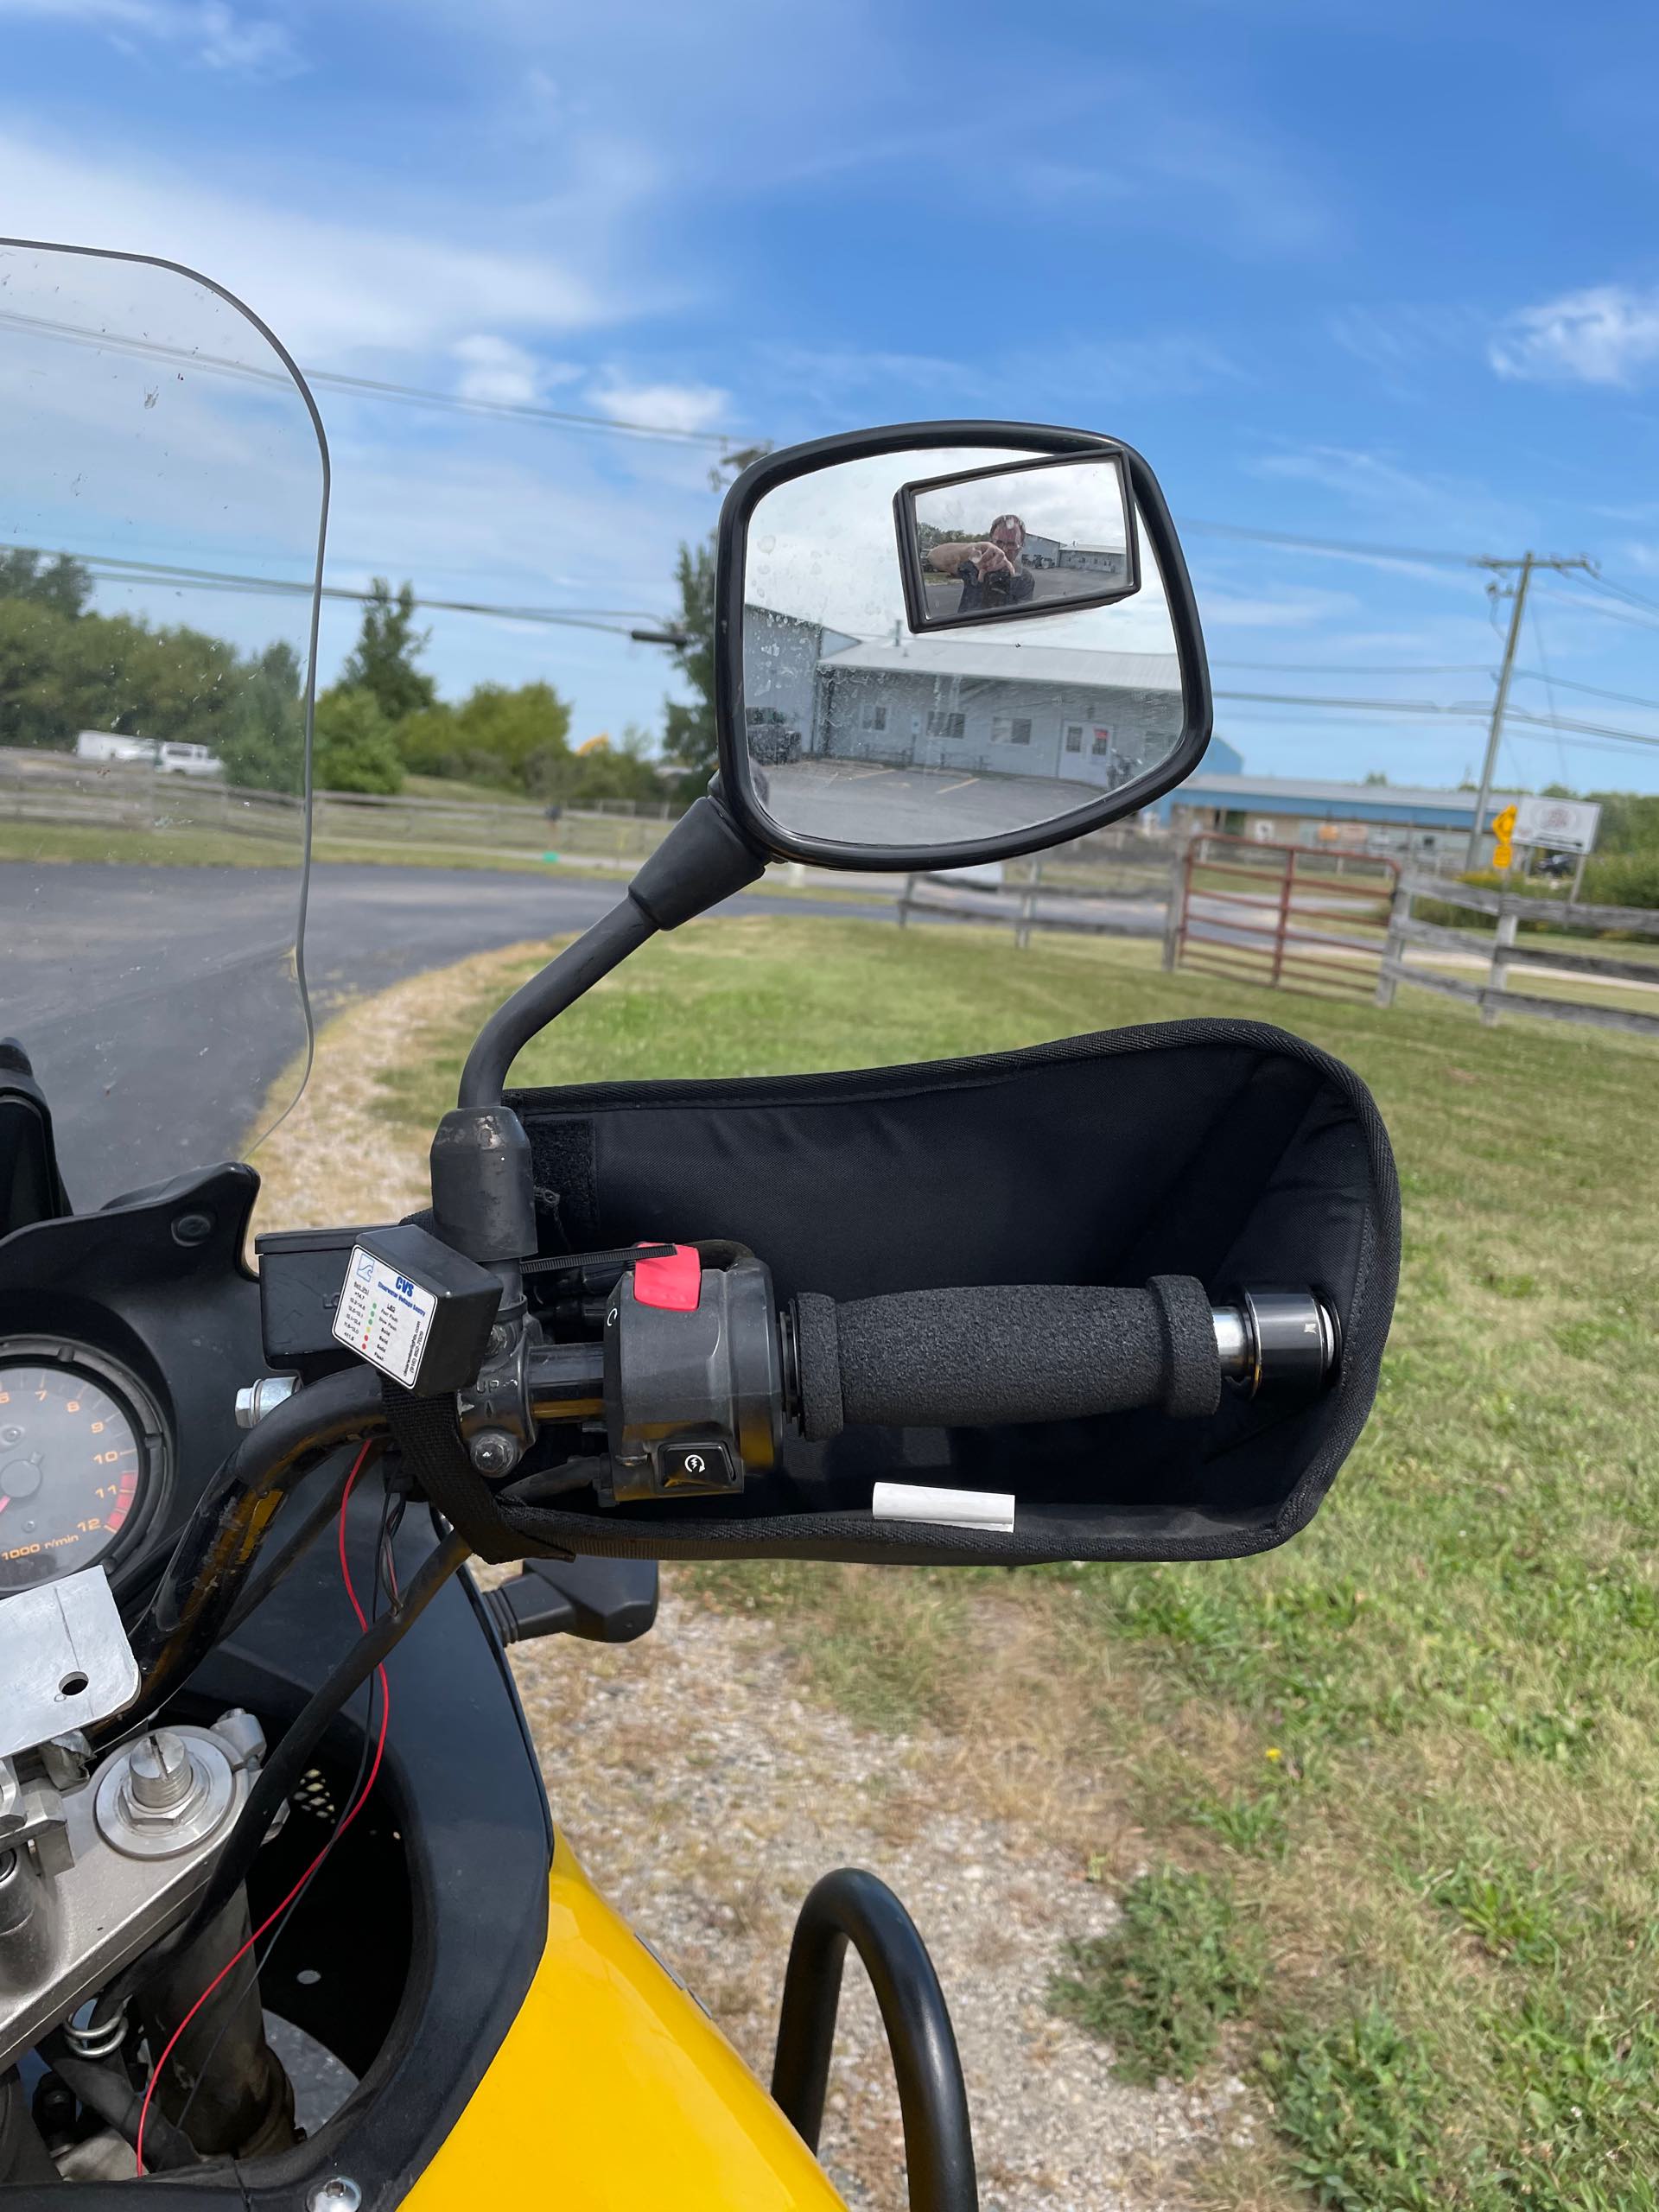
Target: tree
(261, 739)
(515, 737)
(382, 661)
(57, 580)
(601, 770)
(688, 734)
(352, 747)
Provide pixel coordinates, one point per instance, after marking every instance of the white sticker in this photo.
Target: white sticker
(384, 1317)
(952, 1509)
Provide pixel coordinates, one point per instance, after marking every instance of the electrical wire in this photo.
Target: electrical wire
(341, 1826)
(1328, 544)
(109, 568)
(259, 1964)
(1549, 687)
(1351, 668)
(150, 349)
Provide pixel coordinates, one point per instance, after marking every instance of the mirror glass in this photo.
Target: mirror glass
(1002, 542)
(866, 733)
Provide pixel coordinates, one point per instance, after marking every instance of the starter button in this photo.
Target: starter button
(696, 1466)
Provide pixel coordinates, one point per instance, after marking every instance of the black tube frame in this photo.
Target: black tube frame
(765, 475)
(850, 1905)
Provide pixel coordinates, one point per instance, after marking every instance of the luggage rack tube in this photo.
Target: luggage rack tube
(852, 1906)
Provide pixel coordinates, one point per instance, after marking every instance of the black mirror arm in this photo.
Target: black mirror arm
(704, 859)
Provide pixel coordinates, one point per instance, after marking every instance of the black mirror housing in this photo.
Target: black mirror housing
(761, 745)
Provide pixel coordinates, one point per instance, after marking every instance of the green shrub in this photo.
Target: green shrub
(1623, 879)
(1158, 1988)
(1464, 917)
(352, 747)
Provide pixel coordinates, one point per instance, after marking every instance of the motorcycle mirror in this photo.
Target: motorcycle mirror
(948, 643)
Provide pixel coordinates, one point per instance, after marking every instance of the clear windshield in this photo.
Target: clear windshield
(163, 486)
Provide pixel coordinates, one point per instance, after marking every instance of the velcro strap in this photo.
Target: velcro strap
(426, 1432)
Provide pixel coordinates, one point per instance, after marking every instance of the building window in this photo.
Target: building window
(941, 725)
(1074, 737)
(1011, 729)
(1102, 743)
(871, 717)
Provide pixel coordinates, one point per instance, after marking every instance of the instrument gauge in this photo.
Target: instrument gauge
(80, 1446)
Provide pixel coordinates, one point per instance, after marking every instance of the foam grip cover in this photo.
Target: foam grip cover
(976, 1358)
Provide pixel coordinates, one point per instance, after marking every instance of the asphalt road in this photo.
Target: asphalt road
(863, 801)
(156, 1005)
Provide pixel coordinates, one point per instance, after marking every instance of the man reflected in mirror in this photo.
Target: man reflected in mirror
(992, 568)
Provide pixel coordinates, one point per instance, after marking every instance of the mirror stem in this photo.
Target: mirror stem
(704, 859)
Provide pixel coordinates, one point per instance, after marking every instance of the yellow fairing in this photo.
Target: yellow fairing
(614, 2092)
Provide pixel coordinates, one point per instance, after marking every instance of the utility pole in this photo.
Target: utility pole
(1525, 566)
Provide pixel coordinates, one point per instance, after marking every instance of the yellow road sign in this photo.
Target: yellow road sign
(1503, 832)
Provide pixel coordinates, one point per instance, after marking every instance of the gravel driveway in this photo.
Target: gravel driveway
(705, 1794)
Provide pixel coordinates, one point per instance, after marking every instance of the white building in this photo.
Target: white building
(957, 700)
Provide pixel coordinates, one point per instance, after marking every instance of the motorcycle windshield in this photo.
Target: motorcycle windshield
(164, 484)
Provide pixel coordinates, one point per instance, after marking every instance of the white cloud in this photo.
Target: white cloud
(669, 406)
(328, 287)
(1608, 334)
(1290, 610)
(213, 33)
(494, 369)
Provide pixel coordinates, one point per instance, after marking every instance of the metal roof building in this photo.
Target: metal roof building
(1418, 820)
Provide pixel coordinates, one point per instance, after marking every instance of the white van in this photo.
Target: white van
(173, 757)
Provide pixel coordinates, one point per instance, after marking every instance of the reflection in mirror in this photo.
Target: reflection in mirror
(870, 734)
(982, 545)
(161, 487)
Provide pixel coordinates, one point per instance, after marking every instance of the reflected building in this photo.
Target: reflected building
(981, 702)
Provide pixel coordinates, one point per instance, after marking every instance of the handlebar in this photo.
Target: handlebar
(694, 1401)
(1029, 1352)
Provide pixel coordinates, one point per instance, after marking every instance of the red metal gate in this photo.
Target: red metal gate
(1286, 915)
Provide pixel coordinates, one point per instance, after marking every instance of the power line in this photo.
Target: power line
(1330, 544)
(1463, 713)
(1612, 613)
(116, 569)
(563, 418)
(1597, 582)
(1351, 668)
(1595, 690)
(523, 410)
(1438, 710)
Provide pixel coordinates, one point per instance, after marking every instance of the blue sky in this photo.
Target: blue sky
(1387, 278)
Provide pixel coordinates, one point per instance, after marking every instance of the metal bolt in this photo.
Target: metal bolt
(494, 1452)
(193, 1229)
(339, 2193)
(264, 1397)
(159, 1772)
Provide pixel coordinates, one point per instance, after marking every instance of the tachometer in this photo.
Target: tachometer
(75, 1459)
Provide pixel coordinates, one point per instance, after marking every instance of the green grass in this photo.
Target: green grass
(55, 842)
(1162, 1986)
(1416, 1752)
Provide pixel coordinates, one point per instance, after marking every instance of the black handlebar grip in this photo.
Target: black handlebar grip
(1033, 1351)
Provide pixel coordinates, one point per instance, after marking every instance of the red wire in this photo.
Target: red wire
(349, 1816)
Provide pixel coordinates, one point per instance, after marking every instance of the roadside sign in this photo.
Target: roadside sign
(1560, 825)
(1502, 837)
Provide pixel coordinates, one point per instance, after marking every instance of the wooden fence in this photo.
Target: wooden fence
(130, 800)
(1504, 951)
(1093, 907)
